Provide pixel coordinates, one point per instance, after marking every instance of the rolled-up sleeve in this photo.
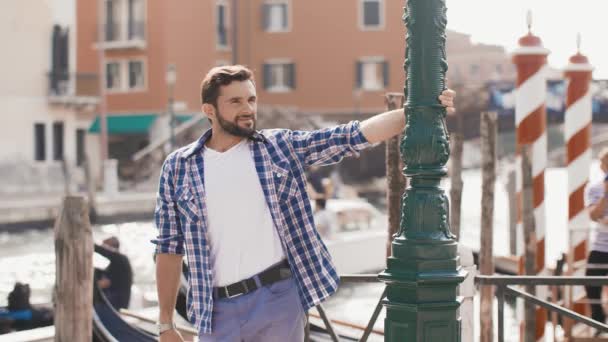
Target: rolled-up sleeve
(329, 145)
(170, 239)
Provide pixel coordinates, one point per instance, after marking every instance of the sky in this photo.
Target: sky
(556, 22)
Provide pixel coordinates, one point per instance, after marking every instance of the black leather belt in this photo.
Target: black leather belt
(271, 275)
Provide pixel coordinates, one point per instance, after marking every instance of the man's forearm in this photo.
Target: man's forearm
(168, 272)
(383, 126)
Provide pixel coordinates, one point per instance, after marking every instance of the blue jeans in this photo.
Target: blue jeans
(270, 313)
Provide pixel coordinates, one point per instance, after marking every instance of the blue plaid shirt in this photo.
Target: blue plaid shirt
(280, 157)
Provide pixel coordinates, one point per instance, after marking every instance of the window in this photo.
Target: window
(137, 19)
(39, 142)
(136, 75)
(113, 19)
(371, 15)
(80, 147)
(222, 25)
(113, 76)
(474, 70)
(125, 20)
(372, 74)
(57, 140)
(126, 75)
(275, 16)
(279, 76)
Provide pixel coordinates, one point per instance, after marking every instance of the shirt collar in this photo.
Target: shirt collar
(198, 145)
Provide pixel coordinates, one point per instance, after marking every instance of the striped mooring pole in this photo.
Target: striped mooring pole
(577, 131)
(530, 59)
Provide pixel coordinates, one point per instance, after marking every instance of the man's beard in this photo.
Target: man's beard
(233, 128)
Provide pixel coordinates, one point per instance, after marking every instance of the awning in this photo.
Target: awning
(131, 123)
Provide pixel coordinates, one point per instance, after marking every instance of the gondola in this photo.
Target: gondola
(108, 324)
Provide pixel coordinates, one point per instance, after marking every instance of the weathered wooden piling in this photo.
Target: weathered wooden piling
(530, 243)
(456, 144)
(396, 181)
(73, 291)
(486, 258)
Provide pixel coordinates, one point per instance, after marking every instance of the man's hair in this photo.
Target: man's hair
(221, 76)
(603, 153)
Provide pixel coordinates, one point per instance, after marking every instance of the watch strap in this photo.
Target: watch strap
(162, 327)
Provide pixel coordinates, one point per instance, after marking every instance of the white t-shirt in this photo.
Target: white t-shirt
(241, 232)
(595, 192)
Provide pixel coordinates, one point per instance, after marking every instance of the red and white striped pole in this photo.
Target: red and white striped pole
(530, 59)
(577, 130)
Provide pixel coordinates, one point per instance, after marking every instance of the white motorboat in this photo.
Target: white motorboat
(357, 240)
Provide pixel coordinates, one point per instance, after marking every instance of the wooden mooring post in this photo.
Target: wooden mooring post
(396, 181)
(486, 258)
(457, 146)
(529, 239)
(73, 291)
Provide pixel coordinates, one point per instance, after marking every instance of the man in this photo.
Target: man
(235, 203)
(117, 278)
(597, 203)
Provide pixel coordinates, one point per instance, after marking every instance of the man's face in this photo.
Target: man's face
(236, 110)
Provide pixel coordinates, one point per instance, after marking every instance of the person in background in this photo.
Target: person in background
(597, 204)
(117, 278)
(20, 314)
(324, 219)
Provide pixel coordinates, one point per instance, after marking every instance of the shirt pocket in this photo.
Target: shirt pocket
(285, 184)
(186, 204)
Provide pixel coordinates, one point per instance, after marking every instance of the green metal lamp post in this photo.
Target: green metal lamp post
(423, 274)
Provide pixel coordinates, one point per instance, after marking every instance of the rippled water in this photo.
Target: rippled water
(30, 257)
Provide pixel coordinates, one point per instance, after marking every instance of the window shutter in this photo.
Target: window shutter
(291, 72)
(359, 75)
(284, 14)
(371, 13)
(266, 80)
(385, 72)
(265, 17)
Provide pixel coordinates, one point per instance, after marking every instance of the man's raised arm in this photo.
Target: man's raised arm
(388, 124)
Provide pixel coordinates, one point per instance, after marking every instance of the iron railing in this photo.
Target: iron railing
(367, 331)
(62, 83)
(504, 287)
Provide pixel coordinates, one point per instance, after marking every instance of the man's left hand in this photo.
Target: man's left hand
(447, 100)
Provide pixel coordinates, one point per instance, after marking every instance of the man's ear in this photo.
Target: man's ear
(209, 110)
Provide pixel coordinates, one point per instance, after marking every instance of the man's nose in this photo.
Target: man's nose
(250, 108)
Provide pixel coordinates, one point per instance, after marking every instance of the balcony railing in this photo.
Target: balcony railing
(66, 87)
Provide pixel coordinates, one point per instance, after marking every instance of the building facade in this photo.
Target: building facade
(37, 136)
(335, 59)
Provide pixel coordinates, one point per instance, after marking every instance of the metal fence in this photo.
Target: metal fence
(505, 285)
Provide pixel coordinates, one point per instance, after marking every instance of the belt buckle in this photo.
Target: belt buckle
(229, 296)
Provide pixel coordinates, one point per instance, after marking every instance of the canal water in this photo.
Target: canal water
(28, 256)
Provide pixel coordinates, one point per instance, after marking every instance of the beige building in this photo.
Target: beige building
(475, 64)
(36, 134)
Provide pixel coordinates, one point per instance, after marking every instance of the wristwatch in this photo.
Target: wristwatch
(162, 327)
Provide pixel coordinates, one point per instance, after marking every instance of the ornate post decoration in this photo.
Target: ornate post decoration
(422, 273)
